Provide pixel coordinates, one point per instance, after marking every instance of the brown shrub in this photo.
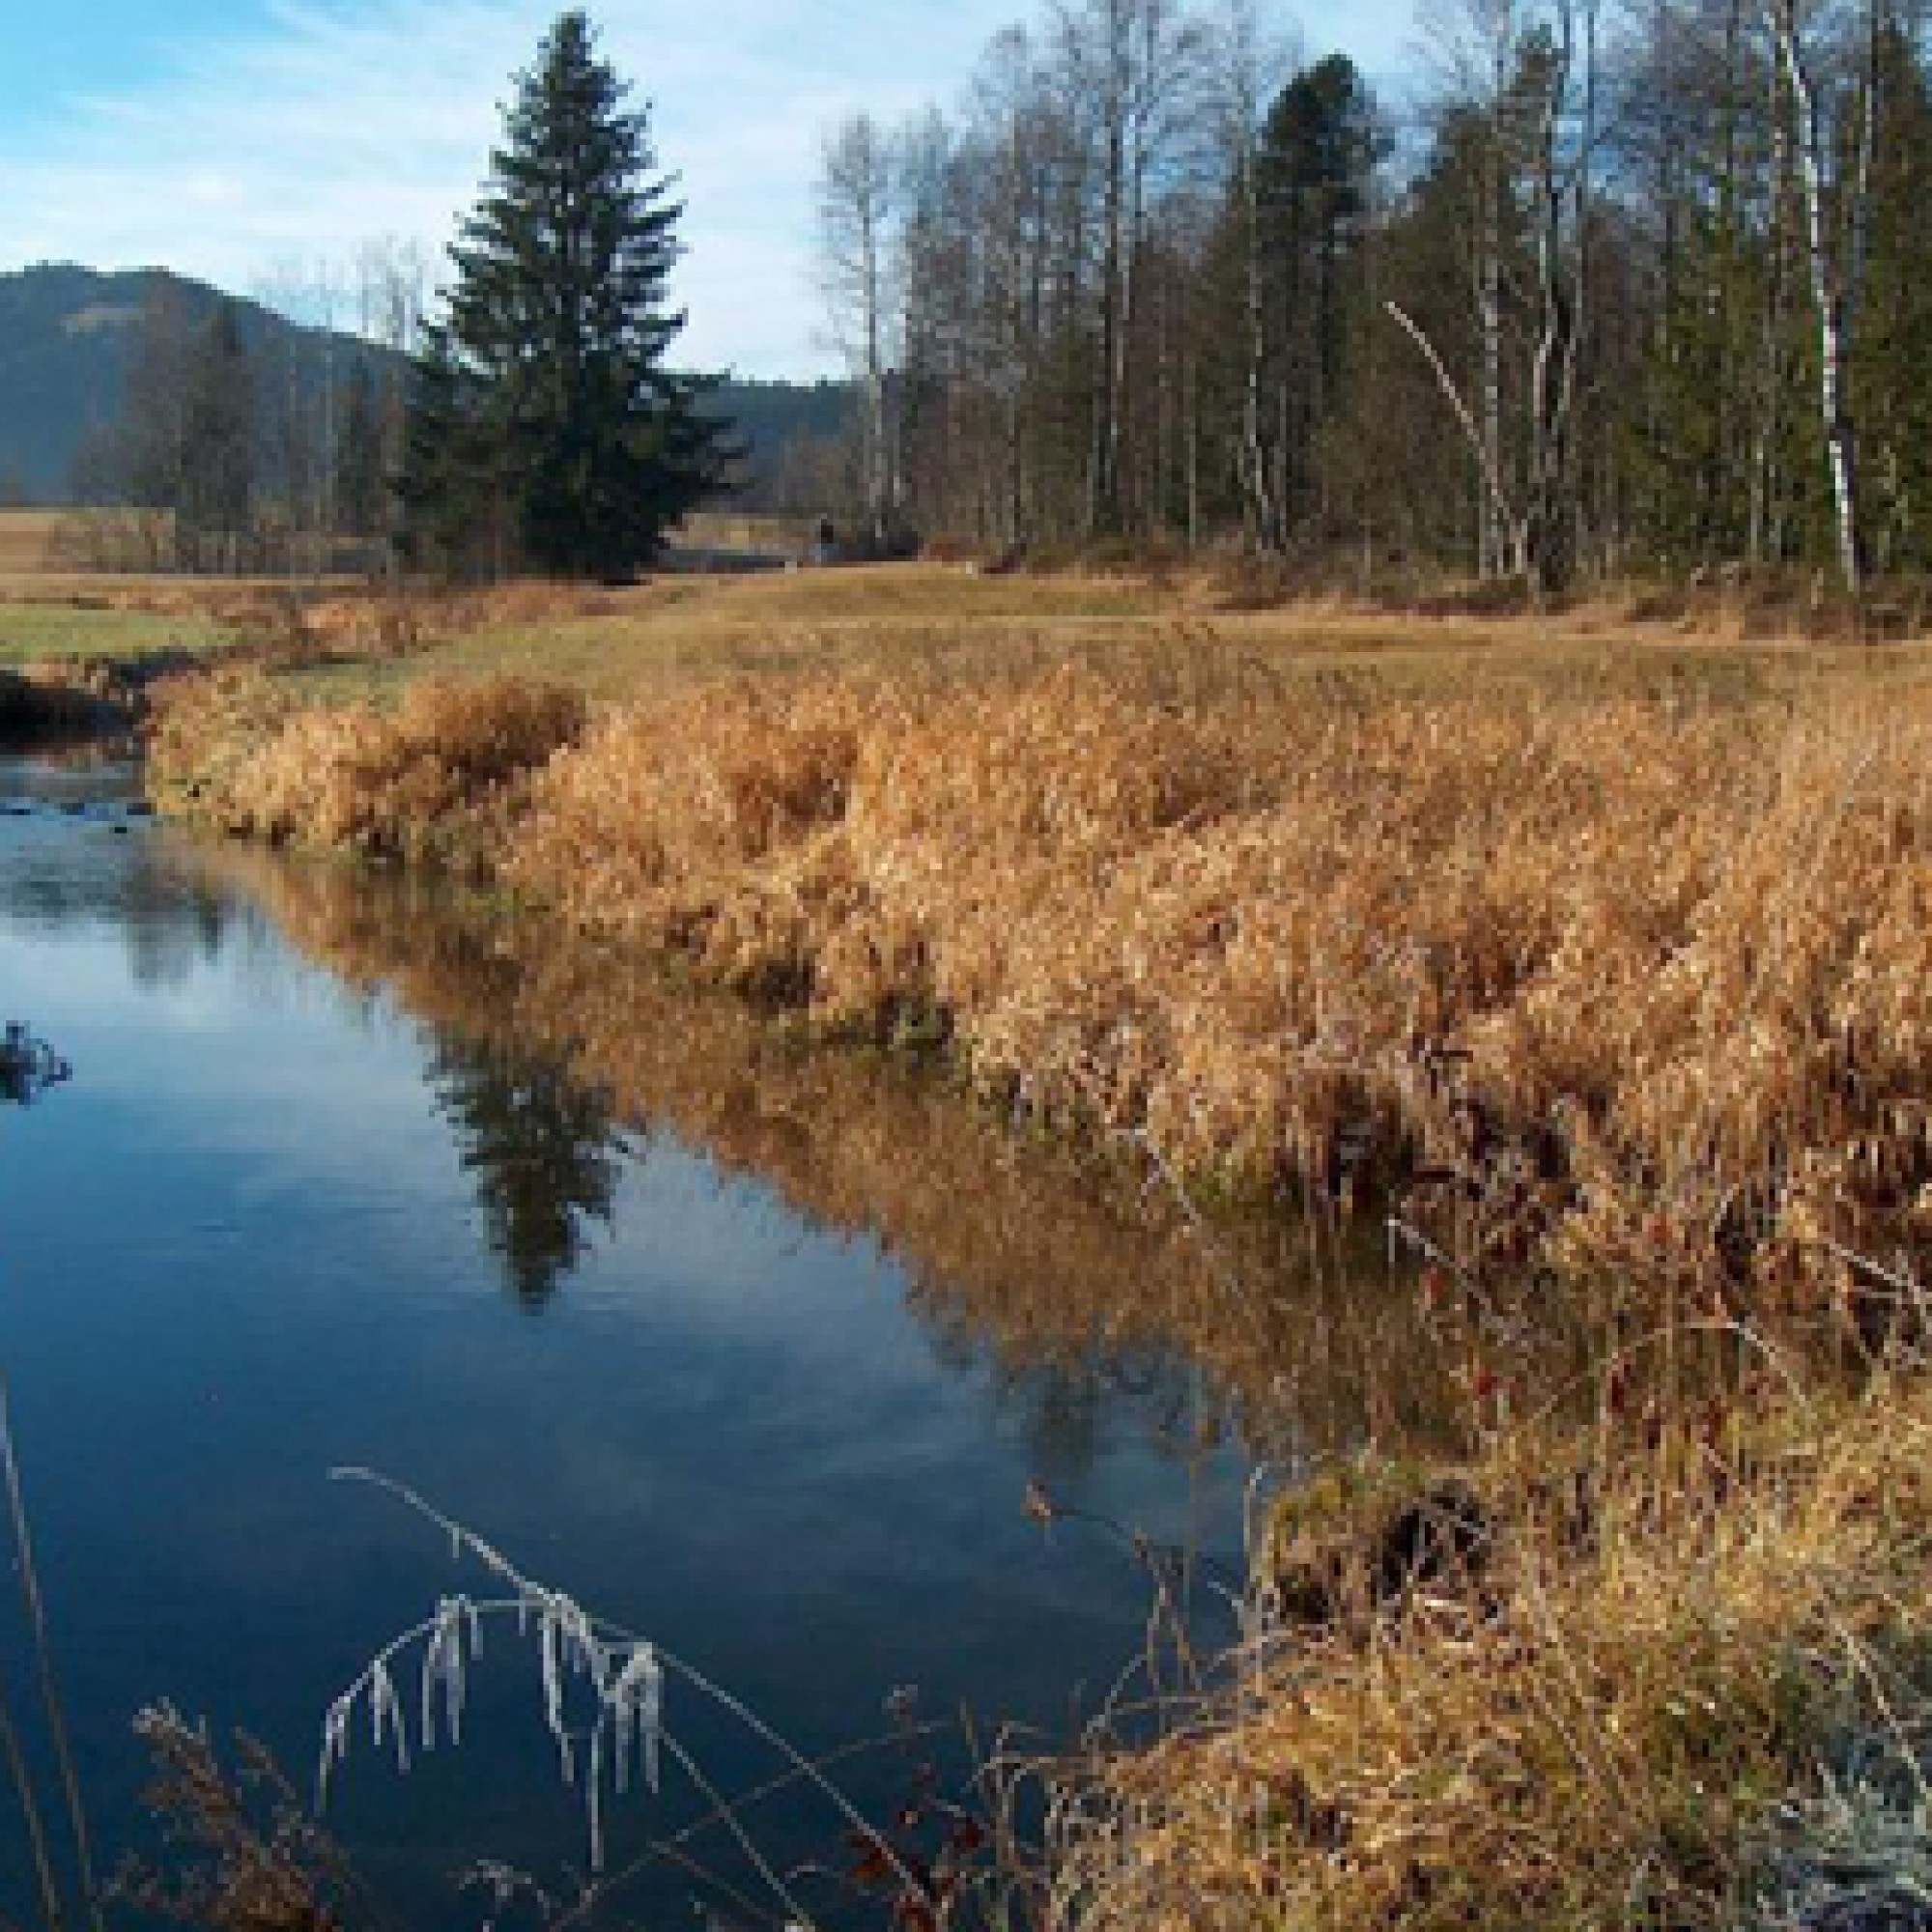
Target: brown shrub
(1636, 980)
(434, 779)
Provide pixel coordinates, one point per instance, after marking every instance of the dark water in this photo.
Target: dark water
(743, 1373)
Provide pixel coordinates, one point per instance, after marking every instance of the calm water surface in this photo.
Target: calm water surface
(276, 1223)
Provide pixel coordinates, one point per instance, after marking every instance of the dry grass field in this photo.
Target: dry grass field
(1595, 955)
(26, 542)
(51, 611)
(946, 623)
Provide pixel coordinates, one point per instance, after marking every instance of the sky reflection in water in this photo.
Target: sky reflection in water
(275, 1224)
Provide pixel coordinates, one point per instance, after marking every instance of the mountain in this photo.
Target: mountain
(68, 335)
(64, 336)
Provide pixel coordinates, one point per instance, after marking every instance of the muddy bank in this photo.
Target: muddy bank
(65, 704)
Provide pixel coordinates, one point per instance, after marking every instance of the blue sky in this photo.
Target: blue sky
(244, 139)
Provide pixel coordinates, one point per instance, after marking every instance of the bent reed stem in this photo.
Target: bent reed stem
(529, 1590)
(50, 1697)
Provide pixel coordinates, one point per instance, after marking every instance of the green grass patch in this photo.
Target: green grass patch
(36, 631)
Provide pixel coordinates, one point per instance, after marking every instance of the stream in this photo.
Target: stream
(754, 1351)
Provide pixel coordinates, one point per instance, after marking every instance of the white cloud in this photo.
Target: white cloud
(330, 123)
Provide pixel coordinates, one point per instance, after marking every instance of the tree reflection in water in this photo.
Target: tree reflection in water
(1078, 1285)
(543, 1151)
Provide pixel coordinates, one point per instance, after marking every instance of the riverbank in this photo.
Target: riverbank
(62, 704)
(1599, 965)
(1630, 982)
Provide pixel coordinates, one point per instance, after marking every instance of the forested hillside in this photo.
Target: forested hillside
(71, 337)
(66, 336)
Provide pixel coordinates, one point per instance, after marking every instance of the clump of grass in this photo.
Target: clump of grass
(433, 780)
(245, 1854)
(1606, 1728)
(1558, 954)
(1636, 985)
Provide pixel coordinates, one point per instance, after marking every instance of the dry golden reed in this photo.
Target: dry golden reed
(1618, 1724)
(436, 778)
(1645, 981)
(1660, 974)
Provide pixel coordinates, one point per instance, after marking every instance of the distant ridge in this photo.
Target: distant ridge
(67, 335)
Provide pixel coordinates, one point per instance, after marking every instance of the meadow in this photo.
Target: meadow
(52, 612)
(1585, 955)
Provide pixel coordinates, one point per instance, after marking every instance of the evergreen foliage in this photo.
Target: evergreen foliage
(1317, 153)
(1893, 398)
(545, 429)
(219, 481)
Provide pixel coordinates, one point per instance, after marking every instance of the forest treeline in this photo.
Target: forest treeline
(264, 436)
(1635, 288)
(245, 440)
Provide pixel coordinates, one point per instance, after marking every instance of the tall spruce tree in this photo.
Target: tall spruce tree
(545, 429)
(1316, 155)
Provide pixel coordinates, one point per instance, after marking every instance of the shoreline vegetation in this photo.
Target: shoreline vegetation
(1595, 965)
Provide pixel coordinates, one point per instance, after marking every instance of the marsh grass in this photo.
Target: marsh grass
(1639, 981)
(1621, 994)
(1630, 1717)
(1600, 969)
(434, 781)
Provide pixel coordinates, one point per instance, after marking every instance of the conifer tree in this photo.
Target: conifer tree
(545, 428)
(1894, 396)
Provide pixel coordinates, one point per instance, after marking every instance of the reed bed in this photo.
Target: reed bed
(436, 780)
(1646, 986)
(1626, 990)
(1612, 996)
